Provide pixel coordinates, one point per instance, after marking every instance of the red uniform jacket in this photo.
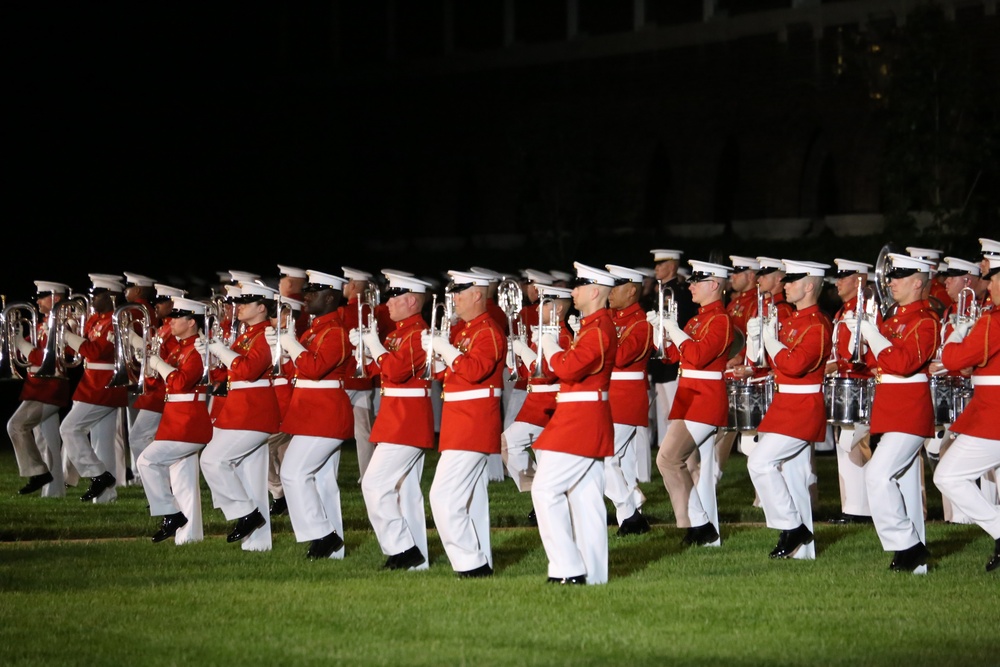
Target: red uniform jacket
(54, 391)
(905, 408)
(629, 392)
(807, 336)
(98, 352)
(700, 400)
(740, 307)
(404, 420)
(540, 402)
(981, 350)
(324, 411)
(185, 420)
(940, 292)
(251, 408)
(584, 428)
(475, 425)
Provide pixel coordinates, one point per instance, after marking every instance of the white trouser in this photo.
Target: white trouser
(512, 399)
(169, 470)
(309, 478)
(88, 436)
(829, 443)
(568, 494)
(967, 459)
(703, 504)
(895, 491)
(780, 467)
(221, 461)
(461, 509)
(141, 433)
(662, 401)
(515, 450)
(851, 460)
(361, 400)
(621, 485)
(940, 444)
(277, 445)
(34, 432)
(395, 501)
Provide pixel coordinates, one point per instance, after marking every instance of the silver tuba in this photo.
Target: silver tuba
(883, 265)
(55, 360)
(130, 364)
(13, 365)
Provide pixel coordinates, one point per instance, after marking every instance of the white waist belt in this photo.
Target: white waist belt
(403, 392)
(244, 384)
(280, 382)
(184, 398)
(98, 366)
(699, 375)
(34, 369)
(900, 379)
(471, 394)
(542, 388)
(985, 380)
(581, 396)
(800, 388)
(628, 375)
(318, 384)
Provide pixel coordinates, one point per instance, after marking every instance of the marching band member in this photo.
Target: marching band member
(34, 427)
(629, 399)
(319, 419)
(701, 404)
(88, 431)
(234, 462)
(901, 350)
(935, 292)
(853, 442)
(524, 323)
(168, 466)
(976, 450)
(291, 283)
(139, 290)
(990, 249)
(277, 443)
(568, 488)
(780, 465)
(403, 430)
(473, 363)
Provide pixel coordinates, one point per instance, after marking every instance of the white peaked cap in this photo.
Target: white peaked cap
(110, 285)
(355, 274)
(990, 247)
(900, 261)
(741, 263)
(661, 255)
(648, 272)
(924, 253)
(555, 292)
(402, 281)
(599, 276)
(243, 276)
(184, 307)
(257, 290)
(795, 267)
(105, 276)
(539, 277)
(623, 272)
(167, 290)
(233, 291)
(994, 264)
(848, 266)
(560, 275)
(470, 278)
(291, 271)
(397, 272)
(959, 267)
(47, 287)
(494, 276)
(327, 280)
(138, 280)
(296, 304)
(770, 263)
(702, 269)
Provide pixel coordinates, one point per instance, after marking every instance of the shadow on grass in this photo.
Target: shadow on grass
(954, 542)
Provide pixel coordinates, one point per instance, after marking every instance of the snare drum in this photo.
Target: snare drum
(748, 401)
(848, 400)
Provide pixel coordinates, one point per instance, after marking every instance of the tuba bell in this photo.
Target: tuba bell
(55, 360)
(13, 365)
(883, 265)
(130, 364)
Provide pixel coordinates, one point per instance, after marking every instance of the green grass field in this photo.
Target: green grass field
(82, 584)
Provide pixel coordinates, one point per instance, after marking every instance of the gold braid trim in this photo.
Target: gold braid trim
(986, 344)
(646, 345)
(729, 332)
(600, 345)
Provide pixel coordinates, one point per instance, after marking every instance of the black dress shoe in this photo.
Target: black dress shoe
(171, 522)
(36, 482)
(325, 546)
(578, 580)
(98, 485)
(910, 559)
(790, 540)
(634, 525)
(406, 559)
(994, 562)
(279, 506)
(482, 571)
(532, 519)
(705, 534)
(246, 525)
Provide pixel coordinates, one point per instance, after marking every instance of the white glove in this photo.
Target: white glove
(753, 338)
(573, 322)
(674, 332)
(354, 337)
(23, 345)
(74, 340)
(957, 335)
(291, 345)
(425, 342)
(201, 345)
(770, 338)
(548, 346)
(222, 353)
(653, 317)
(446, 350)
(534, 335)
(851, 323)
(271, 336)
(525, 352)
(136, 341)
(373, 346)
(876, 341)
(160, 366)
